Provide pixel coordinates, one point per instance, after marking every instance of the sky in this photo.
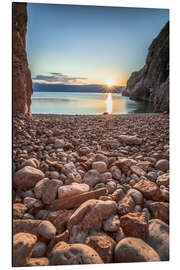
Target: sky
(89, 44)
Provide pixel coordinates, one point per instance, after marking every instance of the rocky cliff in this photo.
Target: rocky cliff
(22, 83)
(151, 83)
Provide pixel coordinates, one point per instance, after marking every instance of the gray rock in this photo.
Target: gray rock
(158, 238)
(111, 186)
(91, 178)
(116, 172)
(39, 250)
(136, 195)
(162, 165)
(132, 249)
(111, 224)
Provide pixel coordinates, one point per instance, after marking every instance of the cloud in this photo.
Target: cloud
(56, 77)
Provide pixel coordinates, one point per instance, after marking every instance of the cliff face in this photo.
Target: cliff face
(151, 83)
(22, 83)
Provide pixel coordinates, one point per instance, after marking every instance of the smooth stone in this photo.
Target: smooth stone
(27, 178)
(162, 165)
(47, 229)
(91, 214)
(100, 166)
(39, 250)
(131, 249)
(158, 238)
(73, 189)
(91, 178)
(70, 254)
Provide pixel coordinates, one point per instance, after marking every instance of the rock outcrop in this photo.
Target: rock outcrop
(22, 83)
(151, 83)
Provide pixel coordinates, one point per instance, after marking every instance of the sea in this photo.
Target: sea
(78, 103)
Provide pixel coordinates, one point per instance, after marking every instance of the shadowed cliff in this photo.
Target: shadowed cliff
(151, 83)
(22, 83)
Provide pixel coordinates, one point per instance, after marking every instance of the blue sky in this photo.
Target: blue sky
(88, 44)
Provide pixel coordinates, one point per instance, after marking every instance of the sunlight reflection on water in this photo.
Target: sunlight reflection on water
(85, 103)
(109, 103)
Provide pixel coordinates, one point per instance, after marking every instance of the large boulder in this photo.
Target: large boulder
(158, 238)
(65, 254)
(132, 249)
(91, 214)
(27, 177)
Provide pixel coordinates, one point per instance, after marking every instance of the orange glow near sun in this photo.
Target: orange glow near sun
(110, 82)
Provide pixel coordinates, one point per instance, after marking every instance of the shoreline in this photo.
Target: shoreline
(99, 115)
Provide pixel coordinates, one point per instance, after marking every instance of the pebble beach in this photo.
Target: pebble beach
(90, 189)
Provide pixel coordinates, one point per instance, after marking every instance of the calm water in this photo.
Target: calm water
(85, 103)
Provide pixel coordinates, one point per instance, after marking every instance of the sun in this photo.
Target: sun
(110, 82)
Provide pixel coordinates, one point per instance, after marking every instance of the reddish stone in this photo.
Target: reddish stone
(126, 205)
(18, 210)
(104, 245)
(149, 189)
(134, 224)
(77, 200)
(60, 218)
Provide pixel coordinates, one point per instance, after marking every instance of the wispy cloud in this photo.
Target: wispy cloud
(56, 77)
